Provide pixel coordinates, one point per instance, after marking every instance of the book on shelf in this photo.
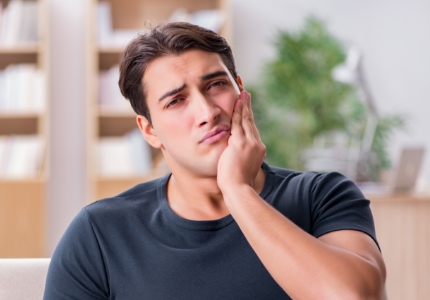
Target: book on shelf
(22, 89)
(18, 22)
(104, 21)
(124, 156)
(110, 97)
(21, 156)
(4, 139)
(28, 28)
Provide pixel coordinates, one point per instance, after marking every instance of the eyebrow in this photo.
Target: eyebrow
(214, 74)
(172, 92)
(204, 77)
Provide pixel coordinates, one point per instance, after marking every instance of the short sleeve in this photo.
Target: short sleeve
(338, 204)
(77, 269)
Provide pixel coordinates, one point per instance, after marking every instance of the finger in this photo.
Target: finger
(249, 107)
(236, 120)
(250, 118)
(247, 122)
(248, 103)
(255, 131)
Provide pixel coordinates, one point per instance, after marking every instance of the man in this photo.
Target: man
(223, 224)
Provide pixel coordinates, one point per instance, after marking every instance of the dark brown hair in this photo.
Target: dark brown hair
(166, 39)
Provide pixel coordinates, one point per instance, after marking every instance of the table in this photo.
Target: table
(402, 224)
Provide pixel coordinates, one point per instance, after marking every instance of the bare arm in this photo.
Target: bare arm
(338, 265)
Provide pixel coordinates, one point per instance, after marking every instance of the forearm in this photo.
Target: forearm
(305, 267)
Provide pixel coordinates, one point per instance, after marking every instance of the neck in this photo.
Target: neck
(199, 198)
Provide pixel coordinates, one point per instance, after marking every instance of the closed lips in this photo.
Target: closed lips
(217, 130)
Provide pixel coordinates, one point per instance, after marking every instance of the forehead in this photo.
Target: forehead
(172, 71)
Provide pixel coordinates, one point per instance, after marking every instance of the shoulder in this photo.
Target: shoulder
(311, 183)
(320, 202)
(142, 194)
(78, 268)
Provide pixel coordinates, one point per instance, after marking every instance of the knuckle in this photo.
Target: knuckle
(263, 150)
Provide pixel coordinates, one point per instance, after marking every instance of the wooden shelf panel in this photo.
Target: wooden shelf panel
(17, 58)
(38, 180)
(116, 125)
(109, 59)
(24, 48)
(19, 115)
(22, 215)
(403, 233)
(19, 123)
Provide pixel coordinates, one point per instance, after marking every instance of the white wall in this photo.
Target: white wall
(393, 34)
(66, 190)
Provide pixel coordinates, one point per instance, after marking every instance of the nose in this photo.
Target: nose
(206, 110)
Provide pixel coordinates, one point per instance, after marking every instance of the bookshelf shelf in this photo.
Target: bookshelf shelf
(23, 129)
(35, 180)
(110, 49)
(107, 59)
(20, 115)
(20, 123)
(112, 24)
(30, 48)
(12, 58)
(116, 125)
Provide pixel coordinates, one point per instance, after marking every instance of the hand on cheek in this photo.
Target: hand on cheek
(241, 160)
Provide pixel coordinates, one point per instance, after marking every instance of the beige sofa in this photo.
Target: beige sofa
(23, 278)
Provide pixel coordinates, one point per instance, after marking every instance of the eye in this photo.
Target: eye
(217, 83)
(174, 102)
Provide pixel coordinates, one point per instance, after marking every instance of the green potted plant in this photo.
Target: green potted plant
(299, 102)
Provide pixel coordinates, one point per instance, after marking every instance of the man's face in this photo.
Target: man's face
(190, 98)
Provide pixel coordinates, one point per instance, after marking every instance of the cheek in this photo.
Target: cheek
(228, 103)
(173, 127)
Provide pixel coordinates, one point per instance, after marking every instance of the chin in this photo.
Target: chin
(202, 165)
(198, 167)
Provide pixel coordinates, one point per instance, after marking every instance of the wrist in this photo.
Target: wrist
(240, 194)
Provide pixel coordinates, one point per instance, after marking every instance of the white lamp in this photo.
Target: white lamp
(350, 72)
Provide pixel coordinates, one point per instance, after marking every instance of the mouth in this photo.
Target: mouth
(215, 135)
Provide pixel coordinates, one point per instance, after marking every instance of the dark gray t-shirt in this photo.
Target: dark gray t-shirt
(133, 246)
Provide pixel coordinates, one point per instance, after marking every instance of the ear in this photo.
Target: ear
(239, 81)
(148, 131)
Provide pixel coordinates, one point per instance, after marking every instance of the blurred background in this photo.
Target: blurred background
(336, 86)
